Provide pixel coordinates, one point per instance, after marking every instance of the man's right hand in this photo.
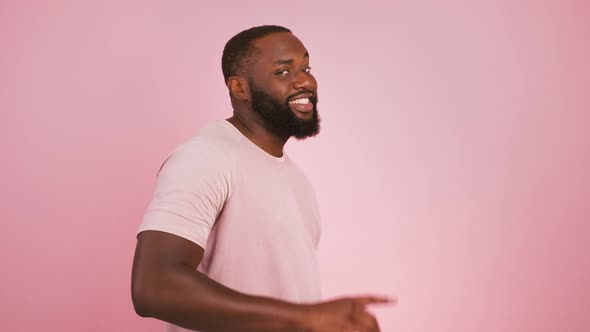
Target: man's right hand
(344, 315)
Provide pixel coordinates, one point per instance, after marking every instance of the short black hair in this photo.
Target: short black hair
(239, 51)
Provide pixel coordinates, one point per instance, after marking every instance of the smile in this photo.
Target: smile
(301, 101)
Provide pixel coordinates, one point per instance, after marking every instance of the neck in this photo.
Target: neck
(252, 127)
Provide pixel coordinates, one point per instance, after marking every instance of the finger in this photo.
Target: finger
(365, 300)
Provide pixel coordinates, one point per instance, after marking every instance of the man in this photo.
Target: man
(228, 241)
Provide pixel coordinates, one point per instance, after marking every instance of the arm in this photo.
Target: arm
(165, 285)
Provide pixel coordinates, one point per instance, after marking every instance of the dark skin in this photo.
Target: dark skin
(282, 70)
(165, 283)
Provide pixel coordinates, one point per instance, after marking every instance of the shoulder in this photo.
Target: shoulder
(212, 148)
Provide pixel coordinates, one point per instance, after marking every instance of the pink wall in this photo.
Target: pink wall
(452, 169)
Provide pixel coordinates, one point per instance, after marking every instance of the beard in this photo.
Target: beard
(279, 119)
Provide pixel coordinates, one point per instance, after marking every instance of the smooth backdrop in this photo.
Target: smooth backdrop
(452, 168)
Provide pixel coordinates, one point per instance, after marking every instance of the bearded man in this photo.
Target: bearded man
(228, 242)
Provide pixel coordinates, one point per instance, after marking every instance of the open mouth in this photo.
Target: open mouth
(301, 104)
(300, 101)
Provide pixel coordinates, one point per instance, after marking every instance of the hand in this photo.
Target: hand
(344, 315)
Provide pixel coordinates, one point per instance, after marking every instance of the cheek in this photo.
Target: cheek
(282, 90)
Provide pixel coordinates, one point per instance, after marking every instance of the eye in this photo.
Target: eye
(282, 72)
(307, 69)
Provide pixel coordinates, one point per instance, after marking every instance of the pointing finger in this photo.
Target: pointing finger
(375, 300)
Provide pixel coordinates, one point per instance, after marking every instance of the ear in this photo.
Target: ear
(238, 88)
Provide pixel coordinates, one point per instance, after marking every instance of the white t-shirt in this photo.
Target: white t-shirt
(255, 215)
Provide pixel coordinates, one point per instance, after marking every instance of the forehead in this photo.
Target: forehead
(279, 46)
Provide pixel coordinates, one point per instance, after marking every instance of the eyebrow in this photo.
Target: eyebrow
(288, 61)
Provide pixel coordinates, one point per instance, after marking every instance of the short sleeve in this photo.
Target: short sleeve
(192, 187)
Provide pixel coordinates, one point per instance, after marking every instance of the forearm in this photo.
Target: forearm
(190, 299)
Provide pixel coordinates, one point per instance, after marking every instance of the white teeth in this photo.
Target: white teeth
(302, 101)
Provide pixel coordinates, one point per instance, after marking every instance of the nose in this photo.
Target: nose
(304, 81)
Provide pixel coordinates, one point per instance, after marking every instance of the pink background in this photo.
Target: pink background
(452, 169)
